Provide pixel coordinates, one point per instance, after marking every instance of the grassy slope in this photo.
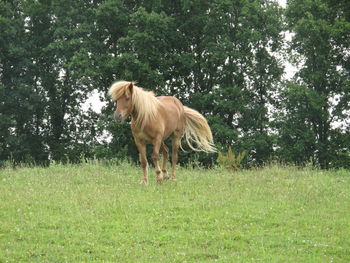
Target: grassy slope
(96, 213)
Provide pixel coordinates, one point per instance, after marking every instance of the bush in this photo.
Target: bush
(230, 160)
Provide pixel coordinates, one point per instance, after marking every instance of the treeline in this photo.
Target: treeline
(221, 57)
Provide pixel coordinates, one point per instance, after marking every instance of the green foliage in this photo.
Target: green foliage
(230, 160)
(220, 57)
(320, 92)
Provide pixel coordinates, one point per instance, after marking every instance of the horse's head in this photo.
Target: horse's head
(123, 104)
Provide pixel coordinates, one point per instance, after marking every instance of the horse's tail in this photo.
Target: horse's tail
(198, 131)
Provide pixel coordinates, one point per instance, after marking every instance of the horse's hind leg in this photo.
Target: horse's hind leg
(165, 159)
(175, 148)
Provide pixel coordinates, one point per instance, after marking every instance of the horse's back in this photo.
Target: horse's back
(171, 102)
(172, 113)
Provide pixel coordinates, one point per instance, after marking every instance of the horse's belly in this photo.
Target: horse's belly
(144, 137)
(170, 120)
(172, 115)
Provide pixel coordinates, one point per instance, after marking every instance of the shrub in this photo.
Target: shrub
(230, 160)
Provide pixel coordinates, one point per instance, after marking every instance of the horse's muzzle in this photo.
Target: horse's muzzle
(118, 116)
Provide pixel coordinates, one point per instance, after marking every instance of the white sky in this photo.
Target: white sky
(283, 3)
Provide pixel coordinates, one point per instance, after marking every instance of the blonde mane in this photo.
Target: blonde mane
(144, 103)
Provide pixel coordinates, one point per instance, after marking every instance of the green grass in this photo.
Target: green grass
(95, 213)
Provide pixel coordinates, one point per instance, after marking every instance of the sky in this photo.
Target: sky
(283, 3)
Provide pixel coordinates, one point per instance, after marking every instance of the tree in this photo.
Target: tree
(216, 56)
(20, 108)
(321, 40)
(236, 71)
(57, 32)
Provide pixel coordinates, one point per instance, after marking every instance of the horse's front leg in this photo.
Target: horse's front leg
(155, 157)
(165, 159)
(143, 160)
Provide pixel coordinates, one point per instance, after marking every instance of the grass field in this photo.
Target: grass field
(95, 213)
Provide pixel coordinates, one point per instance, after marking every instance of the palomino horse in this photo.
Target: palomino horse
(154, 119)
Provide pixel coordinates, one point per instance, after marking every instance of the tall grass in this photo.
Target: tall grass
(99, 213)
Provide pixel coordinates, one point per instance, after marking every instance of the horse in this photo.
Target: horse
(154, 119)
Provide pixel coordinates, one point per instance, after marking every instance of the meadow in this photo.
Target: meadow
(99, 213)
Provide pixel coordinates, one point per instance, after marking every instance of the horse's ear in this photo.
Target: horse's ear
(129, 89)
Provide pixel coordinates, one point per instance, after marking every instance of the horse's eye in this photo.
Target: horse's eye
(127, 99)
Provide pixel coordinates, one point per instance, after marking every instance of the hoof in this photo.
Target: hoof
(144, 182)
(165, 175)
(159, 179)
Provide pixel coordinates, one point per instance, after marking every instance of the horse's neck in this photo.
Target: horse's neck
(135, 117)
(141, 114)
